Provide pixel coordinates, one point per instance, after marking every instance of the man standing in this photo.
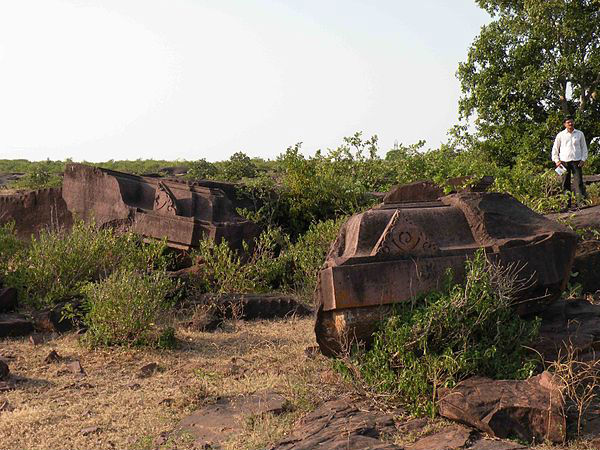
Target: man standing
(570, 151)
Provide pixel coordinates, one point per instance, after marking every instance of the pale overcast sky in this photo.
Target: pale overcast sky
(190, 79)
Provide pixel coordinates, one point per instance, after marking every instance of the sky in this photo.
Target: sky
(190, 79)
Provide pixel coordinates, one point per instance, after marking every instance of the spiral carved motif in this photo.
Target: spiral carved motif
(401, 236)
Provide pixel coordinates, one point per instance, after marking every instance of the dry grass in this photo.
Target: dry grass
(52, 406)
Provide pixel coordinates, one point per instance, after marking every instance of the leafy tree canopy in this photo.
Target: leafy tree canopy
(535, 63)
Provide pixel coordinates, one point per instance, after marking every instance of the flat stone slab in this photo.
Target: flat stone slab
(213, 424)
(14, 325)
(338, 425)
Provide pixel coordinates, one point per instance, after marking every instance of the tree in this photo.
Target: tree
(536, 62)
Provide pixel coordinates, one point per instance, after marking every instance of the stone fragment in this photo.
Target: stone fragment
(530, 410)
(4, 370)
(495, 444)
(57, 319)
(14, 325)
(215, 423)
(8, 299)
(35, 211)
(52, 357)
(451, 438)
(338, 424)
(75, 368)
(585, 266)
(90, 430)
(148, 370)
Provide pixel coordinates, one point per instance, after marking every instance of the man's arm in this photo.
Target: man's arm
(556, 149)
(584, 151)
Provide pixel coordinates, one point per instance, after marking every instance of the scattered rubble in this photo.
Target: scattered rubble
(529, 410)
(339, 424)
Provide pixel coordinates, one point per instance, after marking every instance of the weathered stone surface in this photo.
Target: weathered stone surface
(451, 438)
(4, 370)
(35, 211)
(398, 251)
(340, 425)
(215, 423)
(495, 444)
(585, 266)
(8, 299)
(584, 218)
(182, 212)
(568, 325)
(58, 318)
(13, 325)
(530, 410)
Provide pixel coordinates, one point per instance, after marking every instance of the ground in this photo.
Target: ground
(55, 408)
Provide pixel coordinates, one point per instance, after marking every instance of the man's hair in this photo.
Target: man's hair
(567, 118)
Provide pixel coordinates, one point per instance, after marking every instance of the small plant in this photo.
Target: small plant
(580, 381)
(124, 309)
(57, 264)
(467, 329)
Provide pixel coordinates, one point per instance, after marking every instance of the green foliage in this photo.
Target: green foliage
(123, 309)
(306, 190)
(535, 63)
(275, 262)
(38, 175)
(10, 246)
(238, 167)
(56, 265)
(467, 329)
(201, 170)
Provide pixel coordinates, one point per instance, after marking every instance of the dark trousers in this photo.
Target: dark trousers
(573, 168)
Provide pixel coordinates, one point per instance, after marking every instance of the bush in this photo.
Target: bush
(56, 265)
(468, 329)
(275, 263)
(123, 309)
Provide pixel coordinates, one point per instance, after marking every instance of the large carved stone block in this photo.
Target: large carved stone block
(398, 251)
(182, 212)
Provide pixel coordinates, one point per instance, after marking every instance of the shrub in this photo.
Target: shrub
(275, 263)
(468, 329)
(10, 246)
(123, 309)
(56, 265)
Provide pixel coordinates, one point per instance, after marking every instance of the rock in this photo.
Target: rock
(35, 211)
(215, 423)
(338, 424)
(568, 325)
(90, 430)
(4, 370)
(582, 219)
(75, 368)
(530, 410)
(494, 444)
(36, 339)
(58, 318)
(52, 357)
(181, 212)
(585, 266)
(450, 438)
(13, 325)
(148, 370)
(397, 252)
(8, 299)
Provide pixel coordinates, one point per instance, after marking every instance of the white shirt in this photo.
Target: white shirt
(569, 146)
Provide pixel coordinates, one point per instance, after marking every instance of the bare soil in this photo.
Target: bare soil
(113, 406)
